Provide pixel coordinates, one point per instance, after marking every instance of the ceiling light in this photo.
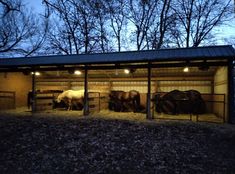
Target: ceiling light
(126, 71)
(77, 72)
(186, 69)
(36, 73)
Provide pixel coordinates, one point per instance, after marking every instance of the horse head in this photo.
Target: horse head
(59, 98)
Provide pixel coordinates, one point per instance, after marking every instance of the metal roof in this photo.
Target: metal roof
(177, 54)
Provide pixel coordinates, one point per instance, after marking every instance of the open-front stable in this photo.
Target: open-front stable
(148, 72)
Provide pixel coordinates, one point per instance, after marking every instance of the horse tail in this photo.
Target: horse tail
(137, 102)
(138, 99)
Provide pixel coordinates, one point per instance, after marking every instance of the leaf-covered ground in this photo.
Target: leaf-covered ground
(97, 145)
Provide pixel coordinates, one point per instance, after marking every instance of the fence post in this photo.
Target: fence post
(149, 114)
(86, 105)
(33, 93)
(231, 104)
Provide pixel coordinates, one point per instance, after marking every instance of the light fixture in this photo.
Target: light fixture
(36, 73)
(77, 72)
(126, 71)
(186, 69)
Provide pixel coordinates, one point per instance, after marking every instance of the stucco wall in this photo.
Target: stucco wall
(17, 82)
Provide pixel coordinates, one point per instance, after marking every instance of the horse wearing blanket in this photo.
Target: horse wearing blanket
(180, 102)
(71, 97)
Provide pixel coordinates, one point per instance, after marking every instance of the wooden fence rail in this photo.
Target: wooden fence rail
(7, 100)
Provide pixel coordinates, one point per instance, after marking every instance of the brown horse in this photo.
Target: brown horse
(124, 101)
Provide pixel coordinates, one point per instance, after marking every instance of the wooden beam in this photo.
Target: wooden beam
(106, 67)
(33, 106)
(149, 114)
(231, 102)
(183, 85)
(128, 79)
(86, 104)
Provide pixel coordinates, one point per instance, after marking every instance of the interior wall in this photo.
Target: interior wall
(99, 86)
(141, 87)
(201, 86)
(221, 86)
(103, 87)
(18, 83)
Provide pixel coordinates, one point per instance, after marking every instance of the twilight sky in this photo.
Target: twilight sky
(223, 32)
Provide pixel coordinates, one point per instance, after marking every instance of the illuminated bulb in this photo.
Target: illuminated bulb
(127, 71)
(36, 73)
(77, 72)
(186, 69)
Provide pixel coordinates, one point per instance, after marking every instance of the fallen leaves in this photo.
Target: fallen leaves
(92, 145)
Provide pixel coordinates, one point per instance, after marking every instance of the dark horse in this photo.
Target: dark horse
(121, 101)
(180, 102)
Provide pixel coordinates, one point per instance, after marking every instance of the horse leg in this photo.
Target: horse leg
(69, 104)
(133, 105)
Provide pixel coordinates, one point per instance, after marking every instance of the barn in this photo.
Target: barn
(208, 70)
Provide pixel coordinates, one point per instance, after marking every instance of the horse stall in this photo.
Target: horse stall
(148, 73)
(97, 94)
(7, 100)
(210, 84)
(14, 90)
(44, 99)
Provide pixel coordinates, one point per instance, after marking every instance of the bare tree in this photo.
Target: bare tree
(20, 32)
(164, 22)
(100, 13)
(230, 40)
(74, 30)
(141, 15)
(197, 19)
(63, 36)
(117, 14)
(85, 26)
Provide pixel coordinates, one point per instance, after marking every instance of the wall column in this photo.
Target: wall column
(33, 99)
(231, 102)
(149, 114)
(86, 105)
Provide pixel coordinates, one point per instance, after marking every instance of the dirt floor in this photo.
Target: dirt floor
(67, 142)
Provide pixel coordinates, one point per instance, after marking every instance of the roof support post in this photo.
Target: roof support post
(33, 99)
(86, 106)
(231, 102)
(149, 115)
